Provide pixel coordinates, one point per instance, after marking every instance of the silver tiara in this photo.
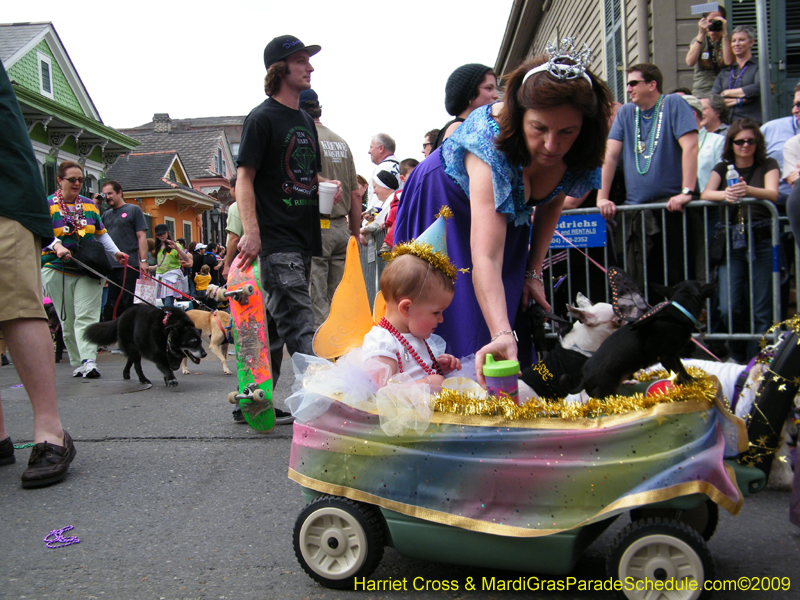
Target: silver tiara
(564, 62)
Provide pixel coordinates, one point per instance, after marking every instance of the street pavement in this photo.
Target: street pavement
(170, 499)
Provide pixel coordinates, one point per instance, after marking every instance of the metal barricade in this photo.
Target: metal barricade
(688, 256)
(667, 247)
(372, 264)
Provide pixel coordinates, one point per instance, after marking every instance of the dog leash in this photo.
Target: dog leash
(101, 276)
(219, 323)
(201, 304)
(119, 296)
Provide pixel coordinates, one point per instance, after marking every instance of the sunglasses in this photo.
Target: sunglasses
(75, 179)
(797, 104)
(634, 82)
(745, 142)
(426, 144)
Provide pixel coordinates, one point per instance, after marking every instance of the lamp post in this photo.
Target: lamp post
(214, 215)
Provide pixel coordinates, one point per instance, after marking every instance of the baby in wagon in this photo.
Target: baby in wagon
(396, 366)
(416, 295)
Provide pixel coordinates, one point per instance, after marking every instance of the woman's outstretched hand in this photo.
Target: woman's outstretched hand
(503, 348)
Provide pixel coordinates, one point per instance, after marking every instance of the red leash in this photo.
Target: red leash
(169, 287)
(119, 297)
(219, 323)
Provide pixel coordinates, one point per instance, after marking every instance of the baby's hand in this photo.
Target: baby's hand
(435, 381)
(448, 363)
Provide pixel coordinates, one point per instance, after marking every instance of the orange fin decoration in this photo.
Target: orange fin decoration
(379, 307)
(350, 318)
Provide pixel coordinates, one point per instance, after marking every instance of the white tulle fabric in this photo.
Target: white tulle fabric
(368, 385)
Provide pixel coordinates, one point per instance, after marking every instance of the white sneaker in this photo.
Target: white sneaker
(231, 352)
(79, 371)
(116, 351)
(90, 369)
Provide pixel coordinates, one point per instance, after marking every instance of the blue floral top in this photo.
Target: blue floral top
(476, 135)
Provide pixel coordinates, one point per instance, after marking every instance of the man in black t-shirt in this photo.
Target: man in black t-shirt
(276, 190)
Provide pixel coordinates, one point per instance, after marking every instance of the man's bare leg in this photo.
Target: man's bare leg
(32, 347)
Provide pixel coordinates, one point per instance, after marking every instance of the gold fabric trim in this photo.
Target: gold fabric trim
(434, 516)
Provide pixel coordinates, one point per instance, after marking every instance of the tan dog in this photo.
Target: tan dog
(206, 322)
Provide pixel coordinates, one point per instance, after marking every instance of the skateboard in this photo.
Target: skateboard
(251, 342)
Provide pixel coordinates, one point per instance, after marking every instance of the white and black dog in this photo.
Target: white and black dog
(164, 336)
(594, 324)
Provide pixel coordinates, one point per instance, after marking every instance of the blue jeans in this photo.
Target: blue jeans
(168, 300)
(741, 295)
(285, 277)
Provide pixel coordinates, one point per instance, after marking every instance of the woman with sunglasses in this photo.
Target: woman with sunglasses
(746, 149)
(75, 294)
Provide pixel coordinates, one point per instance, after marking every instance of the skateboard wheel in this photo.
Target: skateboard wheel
(232, 397)
(248, 289)
(259, 395)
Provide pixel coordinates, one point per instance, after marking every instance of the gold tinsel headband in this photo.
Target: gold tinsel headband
(437, 258)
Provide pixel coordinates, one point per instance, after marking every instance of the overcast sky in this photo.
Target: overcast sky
(382, 68)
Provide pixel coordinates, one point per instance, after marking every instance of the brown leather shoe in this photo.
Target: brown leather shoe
(48, 463)
(7, 452)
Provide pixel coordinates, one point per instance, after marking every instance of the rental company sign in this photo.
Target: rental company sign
(583, 231)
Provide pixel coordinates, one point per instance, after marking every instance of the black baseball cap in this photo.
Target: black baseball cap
(309, 96)
(283, 46)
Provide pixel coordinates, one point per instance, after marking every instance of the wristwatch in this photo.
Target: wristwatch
(686, 191)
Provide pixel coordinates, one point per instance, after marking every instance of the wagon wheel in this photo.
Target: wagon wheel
(337, 540)
(702, 518)
(654, 550)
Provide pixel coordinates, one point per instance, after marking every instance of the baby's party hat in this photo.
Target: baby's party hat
(430, 246)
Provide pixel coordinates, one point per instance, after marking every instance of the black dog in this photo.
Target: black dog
(164, 336)
(658, 335)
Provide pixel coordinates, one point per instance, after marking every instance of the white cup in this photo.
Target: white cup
(326, 193)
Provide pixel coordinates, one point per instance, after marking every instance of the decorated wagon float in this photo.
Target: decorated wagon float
(465, 478)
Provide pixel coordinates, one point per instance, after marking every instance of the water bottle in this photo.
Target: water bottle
(732, 177)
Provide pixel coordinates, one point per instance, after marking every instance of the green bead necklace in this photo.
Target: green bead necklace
(655, 135)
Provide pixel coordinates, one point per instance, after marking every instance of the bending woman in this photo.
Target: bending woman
(546, 141)
(759, 177)
(75, 294)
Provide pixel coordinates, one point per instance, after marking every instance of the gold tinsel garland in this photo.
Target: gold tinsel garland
(455, 402)
(761, 448)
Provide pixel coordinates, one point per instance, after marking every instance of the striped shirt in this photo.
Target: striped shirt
(93, 228)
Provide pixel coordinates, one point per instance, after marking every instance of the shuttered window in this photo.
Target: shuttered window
(45, 75)
(615, 66)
